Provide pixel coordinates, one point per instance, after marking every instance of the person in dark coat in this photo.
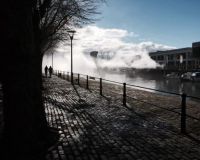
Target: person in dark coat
(50, 71)
(46, 70)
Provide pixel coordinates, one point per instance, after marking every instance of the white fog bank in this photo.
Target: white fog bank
(113, 51)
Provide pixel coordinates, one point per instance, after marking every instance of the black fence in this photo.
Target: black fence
(123, 90)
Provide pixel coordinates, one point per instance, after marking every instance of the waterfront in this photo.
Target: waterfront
(156, 81)
(101, 127)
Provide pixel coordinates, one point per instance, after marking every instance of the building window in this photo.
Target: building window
(160, 57)
(170, 57)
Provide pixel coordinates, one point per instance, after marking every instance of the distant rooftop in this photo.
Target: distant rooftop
(172, 50)
(194, 44)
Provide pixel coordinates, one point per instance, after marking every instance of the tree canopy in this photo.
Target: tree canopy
(53, 18)
(31, 27)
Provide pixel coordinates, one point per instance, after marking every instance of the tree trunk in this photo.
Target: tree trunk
(25, 126)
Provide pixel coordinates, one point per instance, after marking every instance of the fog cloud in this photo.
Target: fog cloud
(114, 51)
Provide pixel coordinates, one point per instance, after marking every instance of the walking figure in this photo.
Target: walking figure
(46, 70)
(50, 71)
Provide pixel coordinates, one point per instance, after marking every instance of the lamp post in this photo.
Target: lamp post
(71, 35)
(52, 61)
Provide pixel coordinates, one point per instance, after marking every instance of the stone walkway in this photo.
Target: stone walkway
(95, 127)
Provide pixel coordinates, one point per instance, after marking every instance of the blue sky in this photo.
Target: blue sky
(169, 22)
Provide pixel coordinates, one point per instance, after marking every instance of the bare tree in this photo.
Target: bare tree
(55, 17)
(30, 27)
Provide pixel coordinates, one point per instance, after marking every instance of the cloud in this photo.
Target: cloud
(109, 43)
(132, 34)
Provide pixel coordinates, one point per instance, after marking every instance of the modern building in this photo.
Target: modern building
(184, 59)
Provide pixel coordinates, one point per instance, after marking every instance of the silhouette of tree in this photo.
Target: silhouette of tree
(31, 27)
(60, 16)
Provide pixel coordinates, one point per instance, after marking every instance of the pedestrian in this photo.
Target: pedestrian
(50, 71)
(46, 70)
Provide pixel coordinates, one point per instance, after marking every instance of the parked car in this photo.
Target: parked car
(186, 76)
(171, 75)
(195, 76)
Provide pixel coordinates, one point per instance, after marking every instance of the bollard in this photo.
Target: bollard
(183, 113)
(78, 79)
(101, 86)
(87, 83)
(124, 94)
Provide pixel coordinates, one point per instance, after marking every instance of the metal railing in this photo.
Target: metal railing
(85, 83)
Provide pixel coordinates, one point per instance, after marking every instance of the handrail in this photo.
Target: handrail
(193, 97)
(178, 94)
(124, 95)
(112, 81)
(132, 85)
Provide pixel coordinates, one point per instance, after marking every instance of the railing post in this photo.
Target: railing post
(68, 76)
(101, 86)
(78, 79)
(183, 113)
(124, 94)
(87, 83)
(64, 75)
(72, 77)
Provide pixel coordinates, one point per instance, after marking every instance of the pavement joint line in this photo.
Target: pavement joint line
(98, 130)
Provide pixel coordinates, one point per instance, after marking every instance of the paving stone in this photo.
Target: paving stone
(102, 128)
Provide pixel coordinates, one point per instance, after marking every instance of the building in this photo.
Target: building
(184, 59)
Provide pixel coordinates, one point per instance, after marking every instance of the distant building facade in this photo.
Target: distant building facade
(179, 59)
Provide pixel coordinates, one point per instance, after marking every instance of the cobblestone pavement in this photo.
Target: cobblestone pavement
(97, 127)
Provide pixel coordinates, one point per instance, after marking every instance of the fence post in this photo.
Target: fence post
(124, 94)
(101, 86)
(87, 83)
(183, 113)
(72, 78)
(78, 79)
(64, 75)
(68, 76)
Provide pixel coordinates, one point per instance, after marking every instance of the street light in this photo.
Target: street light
(52, 60)
(71, 35)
